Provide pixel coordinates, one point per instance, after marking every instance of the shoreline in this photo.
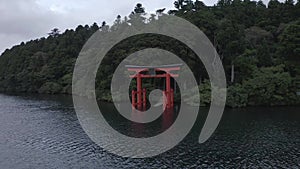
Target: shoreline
(108, 101)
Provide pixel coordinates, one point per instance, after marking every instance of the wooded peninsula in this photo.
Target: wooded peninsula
(259, 45)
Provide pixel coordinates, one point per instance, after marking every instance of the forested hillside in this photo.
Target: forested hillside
(259, 46)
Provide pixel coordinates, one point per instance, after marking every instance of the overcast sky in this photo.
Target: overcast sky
(23, 20)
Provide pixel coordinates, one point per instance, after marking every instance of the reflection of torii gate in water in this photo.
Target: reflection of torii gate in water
(152, 72)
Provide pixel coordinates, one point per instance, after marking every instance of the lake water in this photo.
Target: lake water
(43, 132)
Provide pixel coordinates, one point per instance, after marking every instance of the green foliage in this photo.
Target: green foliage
(270, 86)
(267, 86)
(43, 65)
(237, 96)
(205, 93)
(204, 90)
(245, 64)
(260, 42)
(290, 42)
(50, 88)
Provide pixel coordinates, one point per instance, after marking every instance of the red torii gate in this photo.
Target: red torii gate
(150, 72)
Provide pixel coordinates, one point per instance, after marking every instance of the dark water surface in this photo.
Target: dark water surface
(43, 132)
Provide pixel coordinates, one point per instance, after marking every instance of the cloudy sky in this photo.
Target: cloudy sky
(23, 20)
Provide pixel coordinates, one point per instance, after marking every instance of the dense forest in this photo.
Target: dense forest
(259, 45)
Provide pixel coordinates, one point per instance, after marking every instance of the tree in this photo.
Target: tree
(178, 4)
(139, 9)
(54, 32)
(137, 16)
(224, 3)
(230, 39)
(160, 11)
(94, 27)
(289, 47)
(117, 23)
(118, 20)
(104, 27)
(188, 5)
(260, 4)
(198, 5)
(290, 41)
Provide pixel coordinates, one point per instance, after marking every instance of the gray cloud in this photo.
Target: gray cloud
(22, 20)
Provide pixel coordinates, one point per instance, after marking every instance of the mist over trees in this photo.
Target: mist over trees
(258, 44)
